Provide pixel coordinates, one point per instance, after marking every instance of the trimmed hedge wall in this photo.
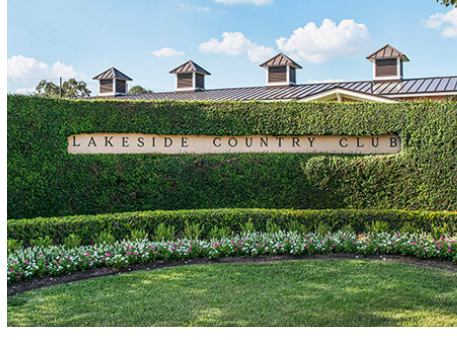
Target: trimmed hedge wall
(120, 225)
(44, 180)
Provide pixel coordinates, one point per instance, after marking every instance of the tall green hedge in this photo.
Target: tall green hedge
(44, 180)
(120, 225)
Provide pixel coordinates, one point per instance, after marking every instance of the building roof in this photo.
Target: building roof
(387, 52)
(280, 60)
(391, 89)
(112, 73)
(190, 67)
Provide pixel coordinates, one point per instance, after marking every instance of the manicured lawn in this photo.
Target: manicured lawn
(294, 293)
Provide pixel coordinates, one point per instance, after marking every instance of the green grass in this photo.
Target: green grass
(294, 293)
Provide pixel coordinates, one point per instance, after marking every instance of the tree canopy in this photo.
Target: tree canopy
(447, 3)
(71, 88)
(138, 89)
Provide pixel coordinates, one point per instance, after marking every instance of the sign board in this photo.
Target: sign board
(137, 143)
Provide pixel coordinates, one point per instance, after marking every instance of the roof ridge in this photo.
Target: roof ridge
(281, 54)
(196, 68)
(400, 53)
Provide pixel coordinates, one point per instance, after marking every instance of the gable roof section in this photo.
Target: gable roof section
(337, 91)
(112, 73)
(280, 60)
(189, 67)
(387, 52)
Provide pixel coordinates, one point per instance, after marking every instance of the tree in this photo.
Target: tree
(447, 3)
(138, 89)
(71, 88)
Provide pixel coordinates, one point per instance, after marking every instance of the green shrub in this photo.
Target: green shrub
(45, 180)
(378, 227)
(247, 227)
(296, 226)
(163, 232)
(347, 229)
(168, 224)
(323, 229)
(41, 242)
(105, 237)
(220, 232)
(192, 231)
(138, 234)
(440, 230)
(13, 245)
(407, 228)
(272, 227)
(72, 241)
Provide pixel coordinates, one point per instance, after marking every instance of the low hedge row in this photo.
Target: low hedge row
(120, 225)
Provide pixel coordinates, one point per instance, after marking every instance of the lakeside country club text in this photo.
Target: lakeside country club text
(135, 143)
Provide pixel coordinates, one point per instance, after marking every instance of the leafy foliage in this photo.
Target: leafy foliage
(71, 88)
(138, 89)
(211, 223)
(45, 180)
(447, 3)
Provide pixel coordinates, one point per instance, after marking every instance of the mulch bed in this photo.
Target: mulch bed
(47, 281)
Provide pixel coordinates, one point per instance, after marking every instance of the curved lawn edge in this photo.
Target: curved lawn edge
(49, 281)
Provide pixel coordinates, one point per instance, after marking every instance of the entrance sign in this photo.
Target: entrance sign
(136, 143)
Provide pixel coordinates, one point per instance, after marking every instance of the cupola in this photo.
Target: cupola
(387, 63)
(281, 70)
(190, 77)
(112, 82)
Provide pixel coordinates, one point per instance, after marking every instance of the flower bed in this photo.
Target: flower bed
(27, 263)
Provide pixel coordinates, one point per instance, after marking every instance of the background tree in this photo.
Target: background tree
(138, 89)
(71, 88)
(447, 3)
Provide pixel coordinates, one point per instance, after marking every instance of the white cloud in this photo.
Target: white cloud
(447, 23)
(318, 44)
(167, 52)
(235, 43)
(253, 2)
(25, 68)
(25, 90)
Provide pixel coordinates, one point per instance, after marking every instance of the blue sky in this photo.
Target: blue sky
(229, 38)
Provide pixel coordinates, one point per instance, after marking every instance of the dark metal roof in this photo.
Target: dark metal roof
(280, 60)
(392, 89)
(112, 73)
(387, 52)
(190, 67)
